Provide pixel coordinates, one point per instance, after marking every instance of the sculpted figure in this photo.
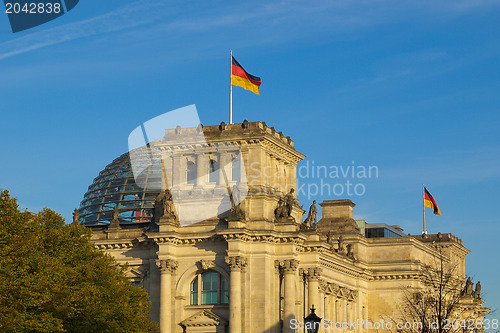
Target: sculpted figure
(281, 209)
(350, 251)
(164, 206)
(115, 222)
(115, 213)
(236, 195)
(158, 207)
(477, 293)
(329, 238)
(341, 249)
(311, 217)
(468, 286)
(76, 217)
(168, 204)
(236, 212)
(289, 201)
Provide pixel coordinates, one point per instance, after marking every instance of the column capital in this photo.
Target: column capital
(290, 265)
(236, 263)
(314, 273)
(287, 266)
(167, 265)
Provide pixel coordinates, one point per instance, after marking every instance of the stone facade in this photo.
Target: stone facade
(258, 271)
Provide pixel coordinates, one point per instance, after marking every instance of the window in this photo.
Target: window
(213, 172)
(236, 169)
(212, 287)
(209, 287)
(191, 173)
(194, 291)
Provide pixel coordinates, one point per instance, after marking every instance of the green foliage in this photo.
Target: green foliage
(52, 279)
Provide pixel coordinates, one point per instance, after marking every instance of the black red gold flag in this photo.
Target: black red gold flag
(241, 78)
(430, 202)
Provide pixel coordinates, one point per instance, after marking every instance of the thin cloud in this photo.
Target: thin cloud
(120, 19)
(286, 19)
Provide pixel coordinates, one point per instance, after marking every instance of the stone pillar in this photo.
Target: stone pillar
(313, 280)
(177, 170)
(322, 295)
(167, 171)
(290, 277)
(224, 167)
(236, 265)
(343, 308)
(202, 169)
(167, 267)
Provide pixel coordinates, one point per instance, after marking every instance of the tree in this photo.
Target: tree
(445, 302)
(52, 279)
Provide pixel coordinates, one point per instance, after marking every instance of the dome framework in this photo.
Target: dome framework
(116, 186)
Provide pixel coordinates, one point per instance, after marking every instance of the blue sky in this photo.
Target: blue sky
(408, 86)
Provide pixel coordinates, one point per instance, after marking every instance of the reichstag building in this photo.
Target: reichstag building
(208, 222)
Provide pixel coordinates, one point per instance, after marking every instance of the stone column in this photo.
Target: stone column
(167, 170)
(322, 299)
(343, 312)
(313, 280)
(290, 280)
(224, 167)
(236, 265)
(202, 169)
(167, 267)
(177, 170)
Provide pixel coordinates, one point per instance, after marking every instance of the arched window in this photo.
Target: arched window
(213, 171)
(236, 169)
(191, 173)
(209, 288)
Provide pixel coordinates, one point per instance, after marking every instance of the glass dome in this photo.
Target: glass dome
(116, 186)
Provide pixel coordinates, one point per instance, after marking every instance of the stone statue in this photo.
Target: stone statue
(350, 251)
(158, 207)
(311, 217)
(76, 218)
(468, 287)
(115, 222)
(236, 195)
(163, 207)
(281, 209)
(477, 293)
(329, 238)
(236, 213)
(341, 249)
(289, 202)
(168, 204)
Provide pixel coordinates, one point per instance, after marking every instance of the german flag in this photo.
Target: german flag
(240, 78)
(430, 202)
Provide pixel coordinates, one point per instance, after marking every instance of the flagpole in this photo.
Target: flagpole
(423, 207)
(231, 91)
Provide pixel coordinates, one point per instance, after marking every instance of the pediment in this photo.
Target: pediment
(204, 318)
